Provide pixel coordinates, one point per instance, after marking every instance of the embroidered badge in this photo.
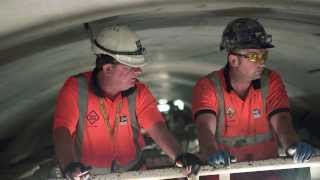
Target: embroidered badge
(256, 113)
(230, 112)
(92, 117)
(123, 120)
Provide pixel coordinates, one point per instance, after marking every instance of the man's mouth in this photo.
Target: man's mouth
(259, 71)
(133, 80)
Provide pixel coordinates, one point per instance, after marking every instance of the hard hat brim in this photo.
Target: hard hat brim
(129, 60)
(254, 46)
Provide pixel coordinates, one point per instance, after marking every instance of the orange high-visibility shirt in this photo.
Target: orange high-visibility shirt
(98, 147)
(244, 117)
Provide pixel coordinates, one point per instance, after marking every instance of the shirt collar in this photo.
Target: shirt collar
(255, 83)
(97, 90)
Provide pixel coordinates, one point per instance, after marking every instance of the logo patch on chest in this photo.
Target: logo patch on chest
(123, 120)
(256, 113)
(92, 117)
(230, 112)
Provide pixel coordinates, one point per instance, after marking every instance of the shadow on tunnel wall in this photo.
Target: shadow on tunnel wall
(41, 44)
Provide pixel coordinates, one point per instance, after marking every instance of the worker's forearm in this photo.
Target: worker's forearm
(164, 138)
(64, 147)
(207, 144)
(206, 126)
(282, 125)
(287, 137)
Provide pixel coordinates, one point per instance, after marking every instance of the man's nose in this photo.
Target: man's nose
(262, 64)
(137, 70)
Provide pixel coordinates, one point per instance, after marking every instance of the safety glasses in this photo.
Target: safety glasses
(259, 58)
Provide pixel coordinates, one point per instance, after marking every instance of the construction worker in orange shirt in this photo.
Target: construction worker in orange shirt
(99, 114)
(242, 110)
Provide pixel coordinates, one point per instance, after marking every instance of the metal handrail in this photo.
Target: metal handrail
(252, 166)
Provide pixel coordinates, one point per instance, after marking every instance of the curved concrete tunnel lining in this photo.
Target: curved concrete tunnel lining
(186, 43)
(58, 17)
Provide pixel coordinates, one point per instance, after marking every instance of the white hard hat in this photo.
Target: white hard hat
(122, 44)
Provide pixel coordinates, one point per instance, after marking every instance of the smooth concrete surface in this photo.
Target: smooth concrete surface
(315, 173)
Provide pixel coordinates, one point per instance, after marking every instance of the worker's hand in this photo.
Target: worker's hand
(77, 171)
(301, 152)
(190, 162)
(220, 159)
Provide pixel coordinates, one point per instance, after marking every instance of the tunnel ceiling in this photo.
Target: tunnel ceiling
(44, 42)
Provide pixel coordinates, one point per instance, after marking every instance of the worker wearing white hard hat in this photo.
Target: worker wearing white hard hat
(99, 114)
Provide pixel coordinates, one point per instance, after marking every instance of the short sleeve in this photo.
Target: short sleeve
(203, 96)
(277, 99)
(66, 112)
(146, 108)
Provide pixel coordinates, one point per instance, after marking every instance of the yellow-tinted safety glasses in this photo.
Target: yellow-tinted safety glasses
(259, 58)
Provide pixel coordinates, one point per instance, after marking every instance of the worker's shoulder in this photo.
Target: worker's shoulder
(207, 79)
(72, 80)
(140, 86)
(86, 75)
(203, 80)
(143, 90)
(274, 75)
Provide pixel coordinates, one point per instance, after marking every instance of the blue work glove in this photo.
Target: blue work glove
(188, 159)
(220, 159)
(301, 152)
(75, 170)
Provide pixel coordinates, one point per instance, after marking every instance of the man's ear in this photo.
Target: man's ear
(233, 60)
(107, 68)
